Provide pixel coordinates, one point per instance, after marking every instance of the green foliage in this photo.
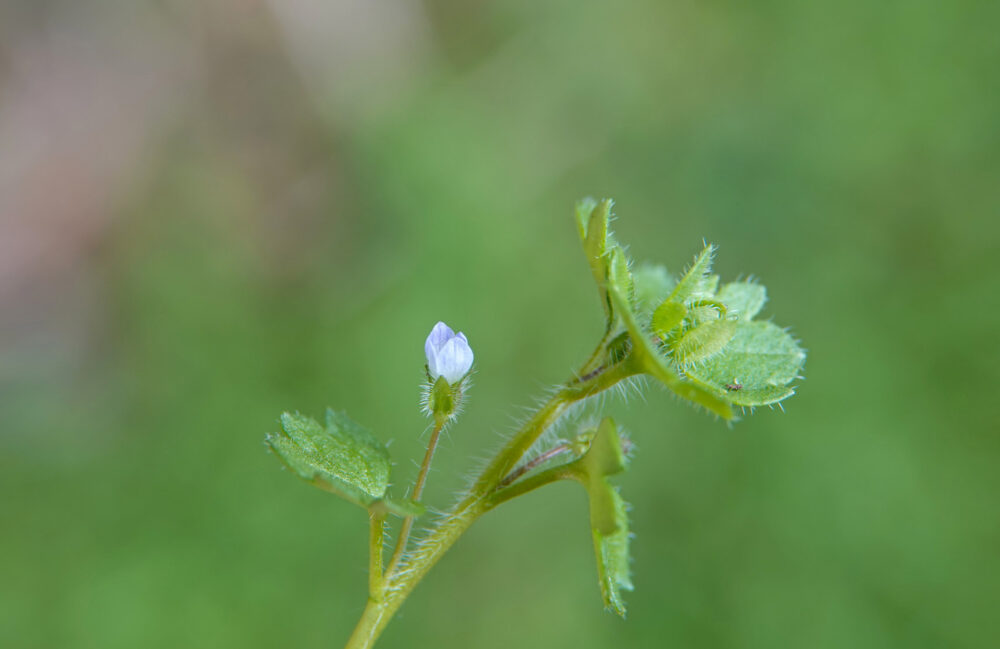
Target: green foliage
(757, 366)
(707, 350)
(342, 458)
(743, 299)
(703, 341)
(696, 283)
(646, 359)
(593, 219)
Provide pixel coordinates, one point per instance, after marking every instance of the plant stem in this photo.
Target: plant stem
(531, 464)
(376, 542)
(418, 490)
(540, 479)
(402, 578)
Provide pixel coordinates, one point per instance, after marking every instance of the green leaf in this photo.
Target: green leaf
(743, 299)
(605, 456)
(608, 513)
(697, 284)
(652, 286)
(592, 221)
(619, 277)
(344, 458)
(650, 361)
(584, 208)
(613, 557)
(704, 341)
(756, 367)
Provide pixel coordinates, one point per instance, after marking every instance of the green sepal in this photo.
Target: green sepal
(441, 400)
(697, 284)
(649, 361)
(743, 299)
(343, 458)
(756, 367)
(704, 341)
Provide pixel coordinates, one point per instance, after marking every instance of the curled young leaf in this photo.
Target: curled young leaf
(650, 361)
(667, 317)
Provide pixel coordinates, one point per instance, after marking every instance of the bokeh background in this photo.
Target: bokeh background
(211, 212)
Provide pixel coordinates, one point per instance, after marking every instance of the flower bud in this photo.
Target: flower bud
(449, 359)
(448, 354)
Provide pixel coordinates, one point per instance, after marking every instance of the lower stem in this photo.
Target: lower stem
(378, 612)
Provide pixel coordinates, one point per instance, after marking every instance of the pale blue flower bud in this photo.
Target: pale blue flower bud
(448, 353)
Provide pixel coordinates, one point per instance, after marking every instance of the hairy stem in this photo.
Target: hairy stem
(540, 479)
(418, 490)
(402, 578)
(531, 464)
(376, 542)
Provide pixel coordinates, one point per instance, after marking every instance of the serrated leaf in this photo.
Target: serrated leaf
(650, 361)
(696, 283)
(652, 286)
(743, 299)
(752, 397)
(704, 341)
(343, 458)
(756, 366)
(608, 512)
(612, 551)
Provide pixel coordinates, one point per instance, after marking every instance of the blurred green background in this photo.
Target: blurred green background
(211, 212)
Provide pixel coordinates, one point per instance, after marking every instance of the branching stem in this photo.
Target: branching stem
(531, 464)
(487, 492)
